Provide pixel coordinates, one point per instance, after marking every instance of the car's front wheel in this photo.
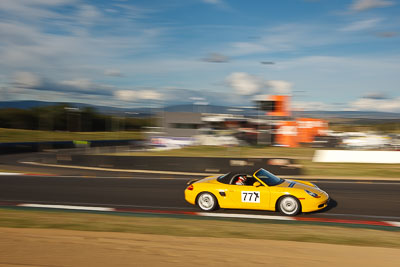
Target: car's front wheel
(207, 201)
(289, 205)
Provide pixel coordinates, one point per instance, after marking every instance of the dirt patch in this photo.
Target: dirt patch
(51, 247)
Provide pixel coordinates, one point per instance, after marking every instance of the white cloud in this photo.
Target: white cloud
(373, 104)
(362, 25)
(361, 5)
(125, 95)
(17, 34)
(149, 95)
(132, 95)
(26, 80)
(33, 9)
(286, 37)
(44, 38)
(246, 84)
(280, 87)
(53, 39)
(88, 14)
(243, 83)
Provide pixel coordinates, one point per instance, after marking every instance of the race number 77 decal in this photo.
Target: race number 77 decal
(251, 196)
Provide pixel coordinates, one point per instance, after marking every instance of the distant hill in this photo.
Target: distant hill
(202, 108)
(349, 114)
(25, 104)
(146, 111)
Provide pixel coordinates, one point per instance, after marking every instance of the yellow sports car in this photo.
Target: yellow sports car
(261, 191)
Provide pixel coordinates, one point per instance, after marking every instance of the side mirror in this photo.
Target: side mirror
(256, 184)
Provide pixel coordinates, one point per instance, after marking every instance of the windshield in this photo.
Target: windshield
(268, 177)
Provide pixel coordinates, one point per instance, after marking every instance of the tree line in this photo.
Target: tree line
(64, 117)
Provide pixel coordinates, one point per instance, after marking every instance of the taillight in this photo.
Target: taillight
(190, 187)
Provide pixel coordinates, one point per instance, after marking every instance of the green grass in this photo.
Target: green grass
(216, 151)
(302, 155)
(351, 169)
(16, 135)
(186, 226)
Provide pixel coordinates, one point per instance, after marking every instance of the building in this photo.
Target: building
(273, 125)
(181, 124)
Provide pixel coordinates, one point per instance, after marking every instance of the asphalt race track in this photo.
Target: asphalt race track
(351, 200)
(363, 200)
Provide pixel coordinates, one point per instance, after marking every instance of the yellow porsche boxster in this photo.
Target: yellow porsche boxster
(260, 191)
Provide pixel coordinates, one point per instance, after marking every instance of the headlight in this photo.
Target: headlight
(311, 193)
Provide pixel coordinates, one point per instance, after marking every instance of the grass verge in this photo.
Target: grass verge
(16, 135)
(187, 226)
(219, 151)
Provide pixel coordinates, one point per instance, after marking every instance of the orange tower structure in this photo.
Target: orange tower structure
(280, 104)
(290, 132)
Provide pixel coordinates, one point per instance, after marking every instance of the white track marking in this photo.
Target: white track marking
(363, 216)
(245, 216)
(10, 173)
(107, 205)
(115, 177)
(119, 170)
(396, 224)
(65, 207)
(186, 208)
(205, 214)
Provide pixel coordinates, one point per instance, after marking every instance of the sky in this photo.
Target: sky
(327, 55)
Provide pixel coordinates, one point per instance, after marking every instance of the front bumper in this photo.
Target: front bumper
(324, 204)
(316, 203)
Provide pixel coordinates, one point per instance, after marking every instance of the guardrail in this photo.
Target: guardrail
(24, 147)
(279, 166)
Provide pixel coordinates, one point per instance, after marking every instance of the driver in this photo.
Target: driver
(241, 180)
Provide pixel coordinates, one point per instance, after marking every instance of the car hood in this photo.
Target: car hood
(300, 185)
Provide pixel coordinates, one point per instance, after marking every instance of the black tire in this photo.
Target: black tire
(289, 206)
(207, 201)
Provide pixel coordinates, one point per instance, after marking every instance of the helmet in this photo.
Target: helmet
(241, 179)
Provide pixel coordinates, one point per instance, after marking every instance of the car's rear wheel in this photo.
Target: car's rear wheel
(207, 201)
(289, 205)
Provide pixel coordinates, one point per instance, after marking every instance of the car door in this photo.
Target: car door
(250, 197)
